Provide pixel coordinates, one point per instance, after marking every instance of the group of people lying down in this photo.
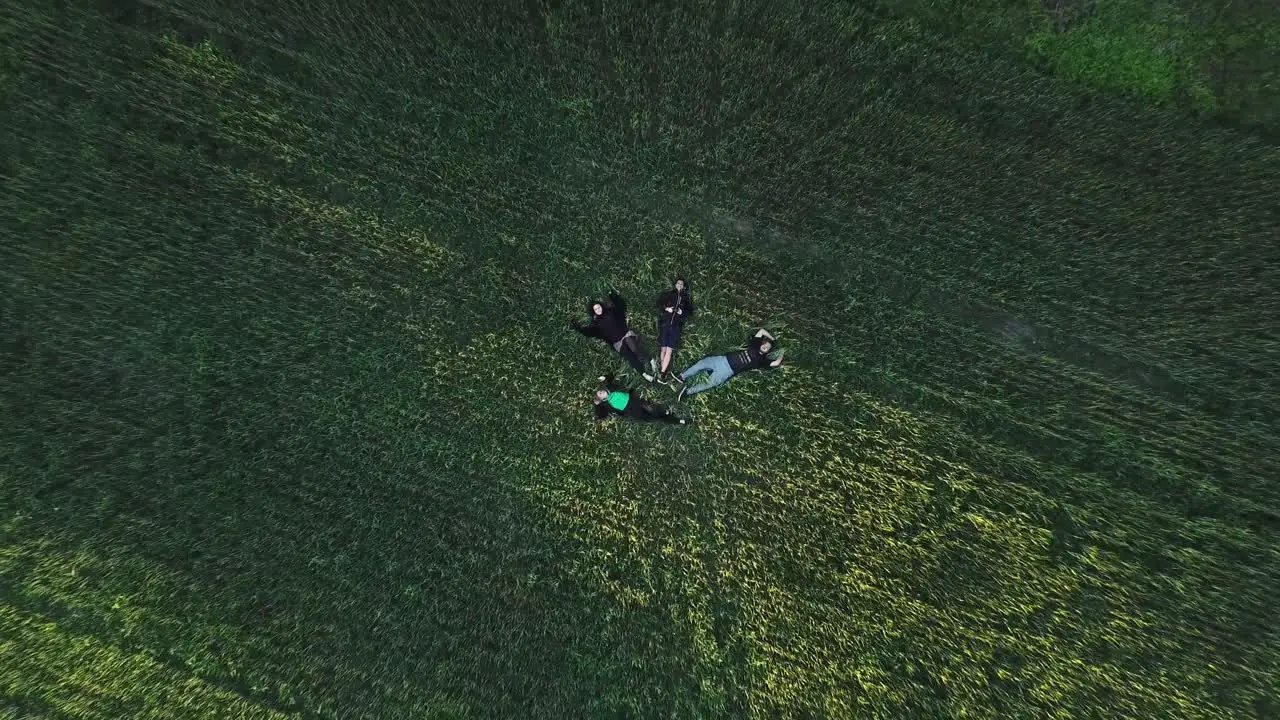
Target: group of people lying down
(674, 308)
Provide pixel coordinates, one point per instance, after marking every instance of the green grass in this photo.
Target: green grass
(1125, 46)
(1216, 59)
(291, 423)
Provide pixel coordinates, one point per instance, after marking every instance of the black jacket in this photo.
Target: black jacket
(672, 298)
(611, 325)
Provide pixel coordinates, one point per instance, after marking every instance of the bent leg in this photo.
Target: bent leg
(721, 371)
(703, 365)
(700, 387)
(669, 418)
(654, 412)
(633, 341)
(632, 359)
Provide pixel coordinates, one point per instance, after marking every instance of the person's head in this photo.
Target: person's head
(765, 345)
(680, 284)
(602, 395)
(597, 308)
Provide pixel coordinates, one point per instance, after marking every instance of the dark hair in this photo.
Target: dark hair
(680, 279)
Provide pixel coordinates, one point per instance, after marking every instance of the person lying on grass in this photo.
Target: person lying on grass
(609, 323)
(613, 399)
(722, 367)
(675, 307)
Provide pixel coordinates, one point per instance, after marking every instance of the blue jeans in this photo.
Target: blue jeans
(717, 365)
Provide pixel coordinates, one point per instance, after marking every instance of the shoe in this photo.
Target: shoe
(647, 377)
(662, 380)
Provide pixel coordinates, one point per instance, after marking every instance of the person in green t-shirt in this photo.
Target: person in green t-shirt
(615, 400)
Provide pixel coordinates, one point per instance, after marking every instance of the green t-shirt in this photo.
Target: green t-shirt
(619, 400)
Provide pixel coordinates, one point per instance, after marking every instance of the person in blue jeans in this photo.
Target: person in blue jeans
(722, 367)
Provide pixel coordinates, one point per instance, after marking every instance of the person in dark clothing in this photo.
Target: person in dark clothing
(614, 400)
(675, 307)
(722, 367)
(609, 323)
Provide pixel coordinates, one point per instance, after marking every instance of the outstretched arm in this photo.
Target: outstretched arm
(602, 411)
(764, 334)
(618, 303)
(609, 382)
(590, 331)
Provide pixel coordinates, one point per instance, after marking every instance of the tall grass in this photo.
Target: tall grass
(293, 424)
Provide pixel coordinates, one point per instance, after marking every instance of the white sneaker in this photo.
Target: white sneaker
(647, 377)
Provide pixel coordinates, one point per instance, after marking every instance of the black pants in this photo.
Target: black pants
(634, 355)
(645, 411)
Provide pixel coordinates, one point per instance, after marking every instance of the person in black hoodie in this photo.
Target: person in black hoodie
(722, 367)
(614, 400)
(609, 323)
(675, 307)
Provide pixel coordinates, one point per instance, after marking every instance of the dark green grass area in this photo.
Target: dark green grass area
(292, 423)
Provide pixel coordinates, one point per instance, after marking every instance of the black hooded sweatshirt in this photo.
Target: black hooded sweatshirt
(675, 299)
(611, 326)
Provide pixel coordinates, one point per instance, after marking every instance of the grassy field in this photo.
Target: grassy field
(292, 423)
(1216, 58)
